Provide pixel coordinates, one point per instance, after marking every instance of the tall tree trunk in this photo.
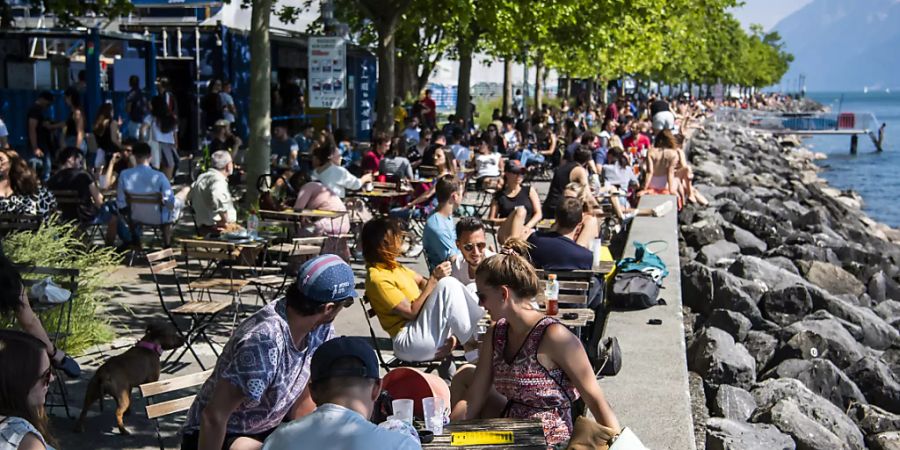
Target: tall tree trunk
(386, 72)
(538, 81)
(258, 153)
(464, 80)
(567, 89)
(507, 86)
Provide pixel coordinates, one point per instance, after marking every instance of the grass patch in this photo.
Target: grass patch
(56, 244)
(484, 108)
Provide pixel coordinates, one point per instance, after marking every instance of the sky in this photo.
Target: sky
(767, 12)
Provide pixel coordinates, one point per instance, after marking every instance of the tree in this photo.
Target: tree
(69, 11)
(260, 116)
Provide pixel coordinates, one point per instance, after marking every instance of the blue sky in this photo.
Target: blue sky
(767, 12)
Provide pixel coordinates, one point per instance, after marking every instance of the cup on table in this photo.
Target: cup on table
(403, 410)
(433, 410)
(369, 187)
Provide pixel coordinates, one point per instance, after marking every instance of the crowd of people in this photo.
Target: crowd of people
(284, 360)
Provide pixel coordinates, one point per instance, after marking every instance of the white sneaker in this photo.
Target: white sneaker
(414, 250)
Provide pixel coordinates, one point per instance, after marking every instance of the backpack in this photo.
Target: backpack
(637, 280)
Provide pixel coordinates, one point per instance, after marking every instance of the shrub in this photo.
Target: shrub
(57, 244)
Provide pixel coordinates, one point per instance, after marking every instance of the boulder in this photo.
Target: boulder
(702, 233)
(840, 347)
(877, 287)
(696, 287)
(719, 360)
(889, 440)
(761, 347)
(784, 263)
(815, 216)
(757, 269)
(745, 240)
(891, 357)
(786, 305)
(822, 377)
(733, 323)
(728, 434)
(889, 310)
(754, 288)
(872, 419)
(733, 403)
(713, 172)
(761, 225)
(877, 382)
(769, 392)
(806, 432)
(831, 278)
(876, 333)
(720, 252)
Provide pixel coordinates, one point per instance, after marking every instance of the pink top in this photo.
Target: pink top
(315, 195)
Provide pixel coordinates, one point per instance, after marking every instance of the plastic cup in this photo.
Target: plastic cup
(403, 410)
(433, 409)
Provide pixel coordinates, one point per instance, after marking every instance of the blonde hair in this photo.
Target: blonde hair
(511, 268)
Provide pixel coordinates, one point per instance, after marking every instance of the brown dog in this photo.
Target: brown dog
(121, 373)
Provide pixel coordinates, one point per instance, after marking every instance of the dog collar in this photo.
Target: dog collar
(150, 346)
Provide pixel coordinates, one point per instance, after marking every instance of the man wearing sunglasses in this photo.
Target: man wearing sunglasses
(472, 244)
(261, 378)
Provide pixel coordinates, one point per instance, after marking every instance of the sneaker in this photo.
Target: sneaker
(414, 250)
(70, 367)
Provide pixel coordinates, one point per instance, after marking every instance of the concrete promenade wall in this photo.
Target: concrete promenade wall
(650, 394)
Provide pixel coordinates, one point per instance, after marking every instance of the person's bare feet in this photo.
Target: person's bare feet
(446, 349)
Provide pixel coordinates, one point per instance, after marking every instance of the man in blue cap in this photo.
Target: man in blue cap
(262, 375)
(344, 383)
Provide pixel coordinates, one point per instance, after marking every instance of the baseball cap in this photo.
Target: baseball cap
(222, 123)
(325, 279)
(514, 166)
(329, 352)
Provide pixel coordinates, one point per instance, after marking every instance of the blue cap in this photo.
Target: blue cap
(326, 278)
(323, 359)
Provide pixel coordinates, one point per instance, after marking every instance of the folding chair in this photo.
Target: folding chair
(394, 362)
(213, 257)
(146, 211)
(68, 202)
(202, 314)
(157, 410)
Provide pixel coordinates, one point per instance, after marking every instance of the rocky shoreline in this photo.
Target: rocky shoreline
(792, 302)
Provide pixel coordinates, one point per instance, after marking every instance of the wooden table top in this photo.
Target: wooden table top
(377, 194)
(527, 434)
(305, 213)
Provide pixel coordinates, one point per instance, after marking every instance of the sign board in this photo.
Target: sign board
(327, 72)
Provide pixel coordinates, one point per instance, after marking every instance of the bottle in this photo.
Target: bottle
(252, 224)
(551, 295)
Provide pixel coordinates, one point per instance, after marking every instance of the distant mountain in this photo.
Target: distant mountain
(844, 44)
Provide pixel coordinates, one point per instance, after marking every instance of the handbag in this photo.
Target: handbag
(587, 434)
(634, 290)
(610, 361)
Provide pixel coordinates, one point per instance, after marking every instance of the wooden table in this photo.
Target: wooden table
(291, 215)
(527, 434)
(545, 224)
(377, 193)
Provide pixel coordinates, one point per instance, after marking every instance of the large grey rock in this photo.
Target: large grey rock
(727, 434)
(877, 287)
(806, 432)
(713, 172)
(891, 357)
(831, 278)
(719, 360)
(761, 346)
(748, 243)
(719, 253)
(783, 262)
(702, 233)
(733, 323)
(732, 293)
(769, 392)
(872, 419)
(842, 348)
(877, 382)
(757, 269)
(733, 403)
(876, 333)
(723, 278)
(696, 287)
(786, 305)
(822, 377)
(889, 310)
(889, 440)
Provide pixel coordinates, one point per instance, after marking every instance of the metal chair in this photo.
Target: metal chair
(146, 211)
(156, 410)
(394, 362)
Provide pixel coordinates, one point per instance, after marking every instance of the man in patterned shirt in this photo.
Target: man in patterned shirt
(261, 378)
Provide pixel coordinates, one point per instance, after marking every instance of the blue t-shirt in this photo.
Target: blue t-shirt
(553, 251)
(439, 239)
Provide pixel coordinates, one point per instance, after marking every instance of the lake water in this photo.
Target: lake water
(872, 174)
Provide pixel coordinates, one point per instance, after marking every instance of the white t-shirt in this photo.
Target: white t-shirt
(334, 426)
(164, 138)
(227, 100)
(487, 165)
(337, 179)
(460, 270)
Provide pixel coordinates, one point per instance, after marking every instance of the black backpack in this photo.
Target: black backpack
(634, 290)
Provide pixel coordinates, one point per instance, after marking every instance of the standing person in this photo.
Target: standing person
(165, 91)
(229, 110)
(429, 111)
(164, 128)
(25, 377)
(20, 191)
(262, 375)
(135, 107)
(39, 135)
(519, 104)
(400, 114)
(344, 384)
(439, 236)
(517, 207)
(472, 244)
(106, 133)
(531, 365)
(211, 105)
(662, 116)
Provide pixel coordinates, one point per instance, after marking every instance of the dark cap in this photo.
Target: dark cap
(343, 347)
(514, 166)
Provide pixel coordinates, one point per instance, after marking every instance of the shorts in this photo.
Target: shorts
(663, 120)
(191, 439)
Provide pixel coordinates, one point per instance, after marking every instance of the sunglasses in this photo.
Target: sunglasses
(471, 246)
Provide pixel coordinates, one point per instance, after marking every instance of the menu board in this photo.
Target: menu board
(327, 72)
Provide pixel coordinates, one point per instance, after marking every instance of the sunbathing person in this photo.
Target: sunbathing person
(531, 366)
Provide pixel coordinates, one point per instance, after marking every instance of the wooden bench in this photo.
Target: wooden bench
(156, 410)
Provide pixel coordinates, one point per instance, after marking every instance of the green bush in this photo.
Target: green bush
(56, 244)
(484, 108)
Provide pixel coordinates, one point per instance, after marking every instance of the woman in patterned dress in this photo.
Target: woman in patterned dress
(20, 191)
(530, 365)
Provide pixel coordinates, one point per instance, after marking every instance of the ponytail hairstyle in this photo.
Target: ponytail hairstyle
(511, 268)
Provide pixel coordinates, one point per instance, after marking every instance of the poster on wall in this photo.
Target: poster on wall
(327, 72)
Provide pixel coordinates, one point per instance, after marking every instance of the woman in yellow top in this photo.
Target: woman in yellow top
(424, 316)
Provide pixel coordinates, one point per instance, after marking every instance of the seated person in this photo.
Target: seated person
(472, 244)
(20, 192)
(424, 203)
(213, 206)
(531, 366)
(344, 383)
(439, 236)
(395, 165)
(371, 161)
(424, 317)
(92, 210)
(284, 148)
(662, 161)
(487, 165)
(516, 208)
(333, 175)
(314, 195)
(222, 138)
(262, 375)
(26, 377)
(143, 179)
(557, 249)
(569, 172)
